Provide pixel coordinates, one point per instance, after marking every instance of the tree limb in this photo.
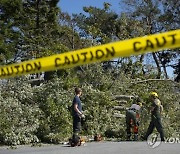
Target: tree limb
(148, 80)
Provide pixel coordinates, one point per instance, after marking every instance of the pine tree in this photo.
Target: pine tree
(40, 28)
(10, 35)
(99, 24)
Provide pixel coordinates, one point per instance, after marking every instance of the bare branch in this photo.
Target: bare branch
(149, 80)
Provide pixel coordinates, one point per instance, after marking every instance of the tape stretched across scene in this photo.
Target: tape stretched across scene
(135, 46)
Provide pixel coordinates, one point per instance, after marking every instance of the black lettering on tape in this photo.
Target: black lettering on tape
(75, 61)
(110, 52)
(99, 54)
(158, 42)
(173, 38)
(136, 46)
(22, 69)
(66, 61)
(3, 73)
(92, 56)
(37, 66)
(32, 67)
(57, 62)
(149, 44)
(29, 67)
(84, 54)
(9, 71)
(17, 69)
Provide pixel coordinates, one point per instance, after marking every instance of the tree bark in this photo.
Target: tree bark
(158, 66)
(141, 60)
(165, 71)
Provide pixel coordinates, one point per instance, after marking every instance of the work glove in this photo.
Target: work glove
(82, 116)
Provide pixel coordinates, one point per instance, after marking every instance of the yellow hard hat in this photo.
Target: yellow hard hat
(140, 104)
(154, 94)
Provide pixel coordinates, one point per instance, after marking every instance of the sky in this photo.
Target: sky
(76, 6)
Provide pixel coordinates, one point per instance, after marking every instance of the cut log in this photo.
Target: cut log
(121, 102)
(119, 115)
(123, 97)
(120, 108)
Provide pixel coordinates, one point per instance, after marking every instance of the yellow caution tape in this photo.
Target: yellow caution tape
(135, 46)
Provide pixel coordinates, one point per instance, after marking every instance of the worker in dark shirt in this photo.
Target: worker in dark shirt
(77, 115)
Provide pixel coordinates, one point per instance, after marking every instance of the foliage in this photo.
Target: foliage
(40, 113)
(98, 109)
(100, 24)
(19, 119)
(54, 101)
(31, 29)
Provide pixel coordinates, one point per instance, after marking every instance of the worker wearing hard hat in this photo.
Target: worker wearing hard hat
(156, 110)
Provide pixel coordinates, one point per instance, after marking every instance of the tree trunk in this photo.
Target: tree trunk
(158, 65)
(165, 71)
(141, 60)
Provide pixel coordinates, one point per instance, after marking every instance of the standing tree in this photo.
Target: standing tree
(171, 20)
(151, 15)
(99, 24)
(10, 35)
(177, 71)
(39, 26)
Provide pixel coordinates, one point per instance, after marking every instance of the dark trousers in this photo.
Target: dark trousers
(130, 116)
(155, 122)
(76, 124)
